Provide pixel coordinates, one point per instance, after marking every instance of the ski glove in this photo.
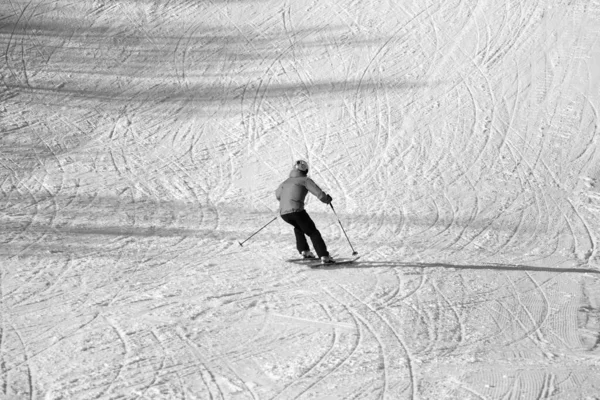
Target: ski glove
(328, 199)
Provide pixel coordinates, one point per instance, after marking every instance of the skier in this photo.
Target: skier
(291, 194)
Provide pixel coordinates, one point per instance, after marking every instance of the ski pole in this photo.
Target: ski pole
(242, 243)
(343, 230)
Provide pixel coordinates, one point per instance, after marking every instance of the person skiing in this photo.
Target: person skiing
(291, 194)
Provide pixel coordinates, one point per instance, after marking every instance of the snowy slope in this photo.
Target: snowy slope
(141, 140)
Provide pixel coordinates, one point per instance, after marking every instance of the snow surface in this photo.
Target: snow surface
(142, 139)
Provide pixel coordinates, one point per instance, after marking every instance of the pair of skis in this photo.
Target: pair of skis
(316, 263)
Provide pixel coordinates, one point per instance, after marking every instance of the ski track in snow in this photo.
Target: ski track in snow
(140, 141)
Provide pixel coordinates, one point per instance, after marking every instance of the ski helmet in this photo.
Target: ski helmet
(301, 165)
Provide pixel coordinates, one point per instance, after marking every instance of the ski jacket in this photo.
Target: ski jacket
(292, 192)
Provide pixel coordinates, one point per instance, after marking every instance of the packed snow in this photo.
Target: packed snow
(142, 140)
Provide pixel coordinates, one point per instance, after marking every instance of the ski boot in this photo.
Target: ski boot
(327, 260)
(307, 254)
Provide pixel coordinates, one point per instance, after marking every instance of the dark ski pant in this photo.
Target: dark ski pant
(304, 225)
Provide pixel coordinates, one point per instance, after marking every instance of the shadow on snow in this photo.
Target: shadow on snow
(496, 267)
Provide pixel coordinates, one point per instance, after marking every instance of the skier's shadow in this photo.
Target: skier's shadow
(493, 267)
